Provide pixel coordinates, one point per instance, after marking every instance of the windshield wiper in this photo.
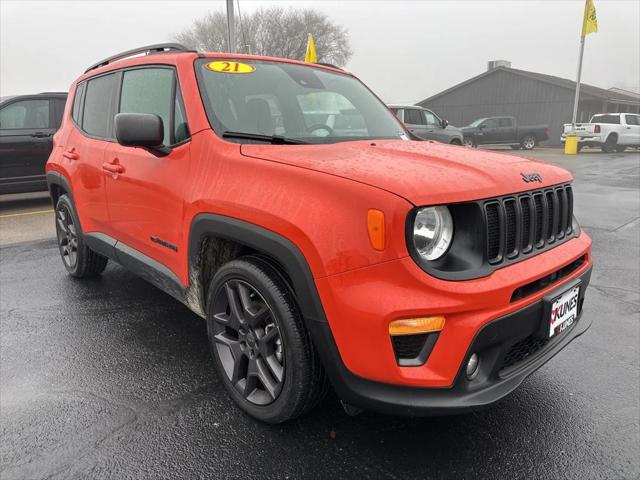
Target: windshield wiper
(274, 139)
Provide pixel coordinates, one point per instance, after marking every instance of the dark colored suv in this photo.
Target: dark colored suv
(27, 125)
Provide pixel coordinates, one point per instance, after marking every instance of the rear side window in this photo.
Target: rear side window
(25, 114)
(98, 113)
(633, 119)
(149, 90)
(504, 122)
(75, 112)
(613, 119)
(413, 116)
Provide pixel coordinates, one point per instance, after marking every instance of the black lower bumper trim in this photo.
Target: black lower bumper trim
(492, 383)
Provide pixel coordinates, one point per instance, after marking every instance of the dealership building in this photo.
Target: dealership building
(533, 98)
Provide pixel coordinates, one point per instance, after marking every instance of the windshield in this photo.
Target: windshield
(301, 103)
(477, 122)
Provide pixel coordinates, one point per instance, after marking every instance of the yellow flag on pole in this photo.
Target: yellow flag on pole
(589, 22)
(310, 56)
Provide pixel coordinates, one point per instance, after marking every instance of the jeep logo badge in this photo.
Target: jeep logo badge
(531, 177)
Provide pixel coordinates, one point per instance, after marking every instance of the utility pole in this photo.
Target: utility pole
(231, 27)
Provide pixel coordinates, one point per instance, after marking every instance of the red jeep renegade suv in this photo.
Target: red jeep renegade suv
(284, 203)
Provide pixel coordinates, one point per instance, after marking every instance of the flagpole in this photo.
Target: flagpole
(583, 34)
(577, 97)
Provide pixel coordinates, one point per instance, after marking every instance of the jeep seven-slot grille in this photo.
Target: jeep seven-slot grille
(518, 224)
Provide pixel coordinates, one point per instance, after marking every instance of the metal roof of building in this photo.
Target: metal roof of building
(611, 95)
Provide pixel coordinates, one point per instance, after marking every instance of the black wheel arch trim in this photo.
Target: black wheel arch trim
(262, 240)
(56, 178)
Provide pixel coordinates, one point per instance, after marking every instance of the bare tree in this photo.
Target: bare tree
(274, 32)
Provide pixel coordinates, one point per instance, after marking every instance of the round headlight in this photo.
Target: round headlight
(432, 232)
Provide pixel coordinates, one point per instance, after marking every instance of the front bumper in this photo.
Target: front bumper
(494, 343)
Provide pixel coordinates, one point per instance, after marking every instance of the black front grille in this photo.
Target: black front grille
(519, 224)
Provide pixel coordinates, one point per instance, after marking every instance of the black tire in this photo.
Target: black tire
(274, 377)
(469, 142)
(610, 144)
(528, 142)
(620, 148)
(79, 260)
(515, 147)
(455, 141)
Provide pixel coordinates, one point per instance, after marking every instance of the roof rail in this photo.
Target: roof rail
(149, 50)
(53, 93)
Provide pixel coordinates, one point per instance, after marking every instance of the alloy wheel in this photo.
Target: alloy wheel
(528, 143)
(248, 342)
(67, 236)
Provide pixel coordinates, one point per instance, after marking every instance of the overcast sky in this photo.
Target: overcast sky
(405, 51)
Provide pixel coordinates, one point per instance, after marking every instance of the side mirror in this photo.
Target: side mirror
(444, 123)
(482, 126)
(141, 130)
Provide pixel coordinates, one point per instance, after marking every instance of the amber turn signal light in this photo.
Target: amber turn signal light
(375, 225)
(413, 326)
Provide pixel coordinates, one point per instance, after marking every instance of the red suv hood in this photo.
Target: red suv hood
(424, 173)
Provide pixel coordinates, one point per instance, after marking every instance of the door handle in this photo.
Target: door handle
(71, 154)
(113, 167)
(41, 135)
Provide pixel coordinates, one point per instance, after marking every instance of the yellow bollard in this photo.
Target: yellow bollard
(571, 145)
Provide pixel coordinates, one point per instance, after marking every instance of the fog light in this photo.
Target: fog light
(472, 366)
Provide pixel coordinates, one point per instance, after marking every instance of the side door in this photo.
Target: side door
(434, 129)
(631, 129)
(415, 122)
(83, 145)
(506, 130)
(26, 128)
(146, 195)
(488, 131)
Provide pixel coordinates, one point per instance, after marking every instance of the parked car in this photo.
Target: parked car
(417, 278)
(612, 132)
(425, 124)
(504, 131)
(27, 124)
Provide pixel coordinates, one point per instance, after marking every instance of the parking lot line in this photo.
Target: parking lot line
(26, 213)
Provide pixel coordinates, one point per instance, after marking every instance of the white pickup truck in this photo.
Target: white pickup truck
(612, 132)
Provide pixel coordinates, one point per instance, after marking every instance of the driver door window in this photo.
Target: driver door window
(431, 119)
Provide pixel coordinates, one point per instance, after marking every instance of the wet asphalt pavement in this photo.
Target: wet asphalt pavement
(110, 378)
